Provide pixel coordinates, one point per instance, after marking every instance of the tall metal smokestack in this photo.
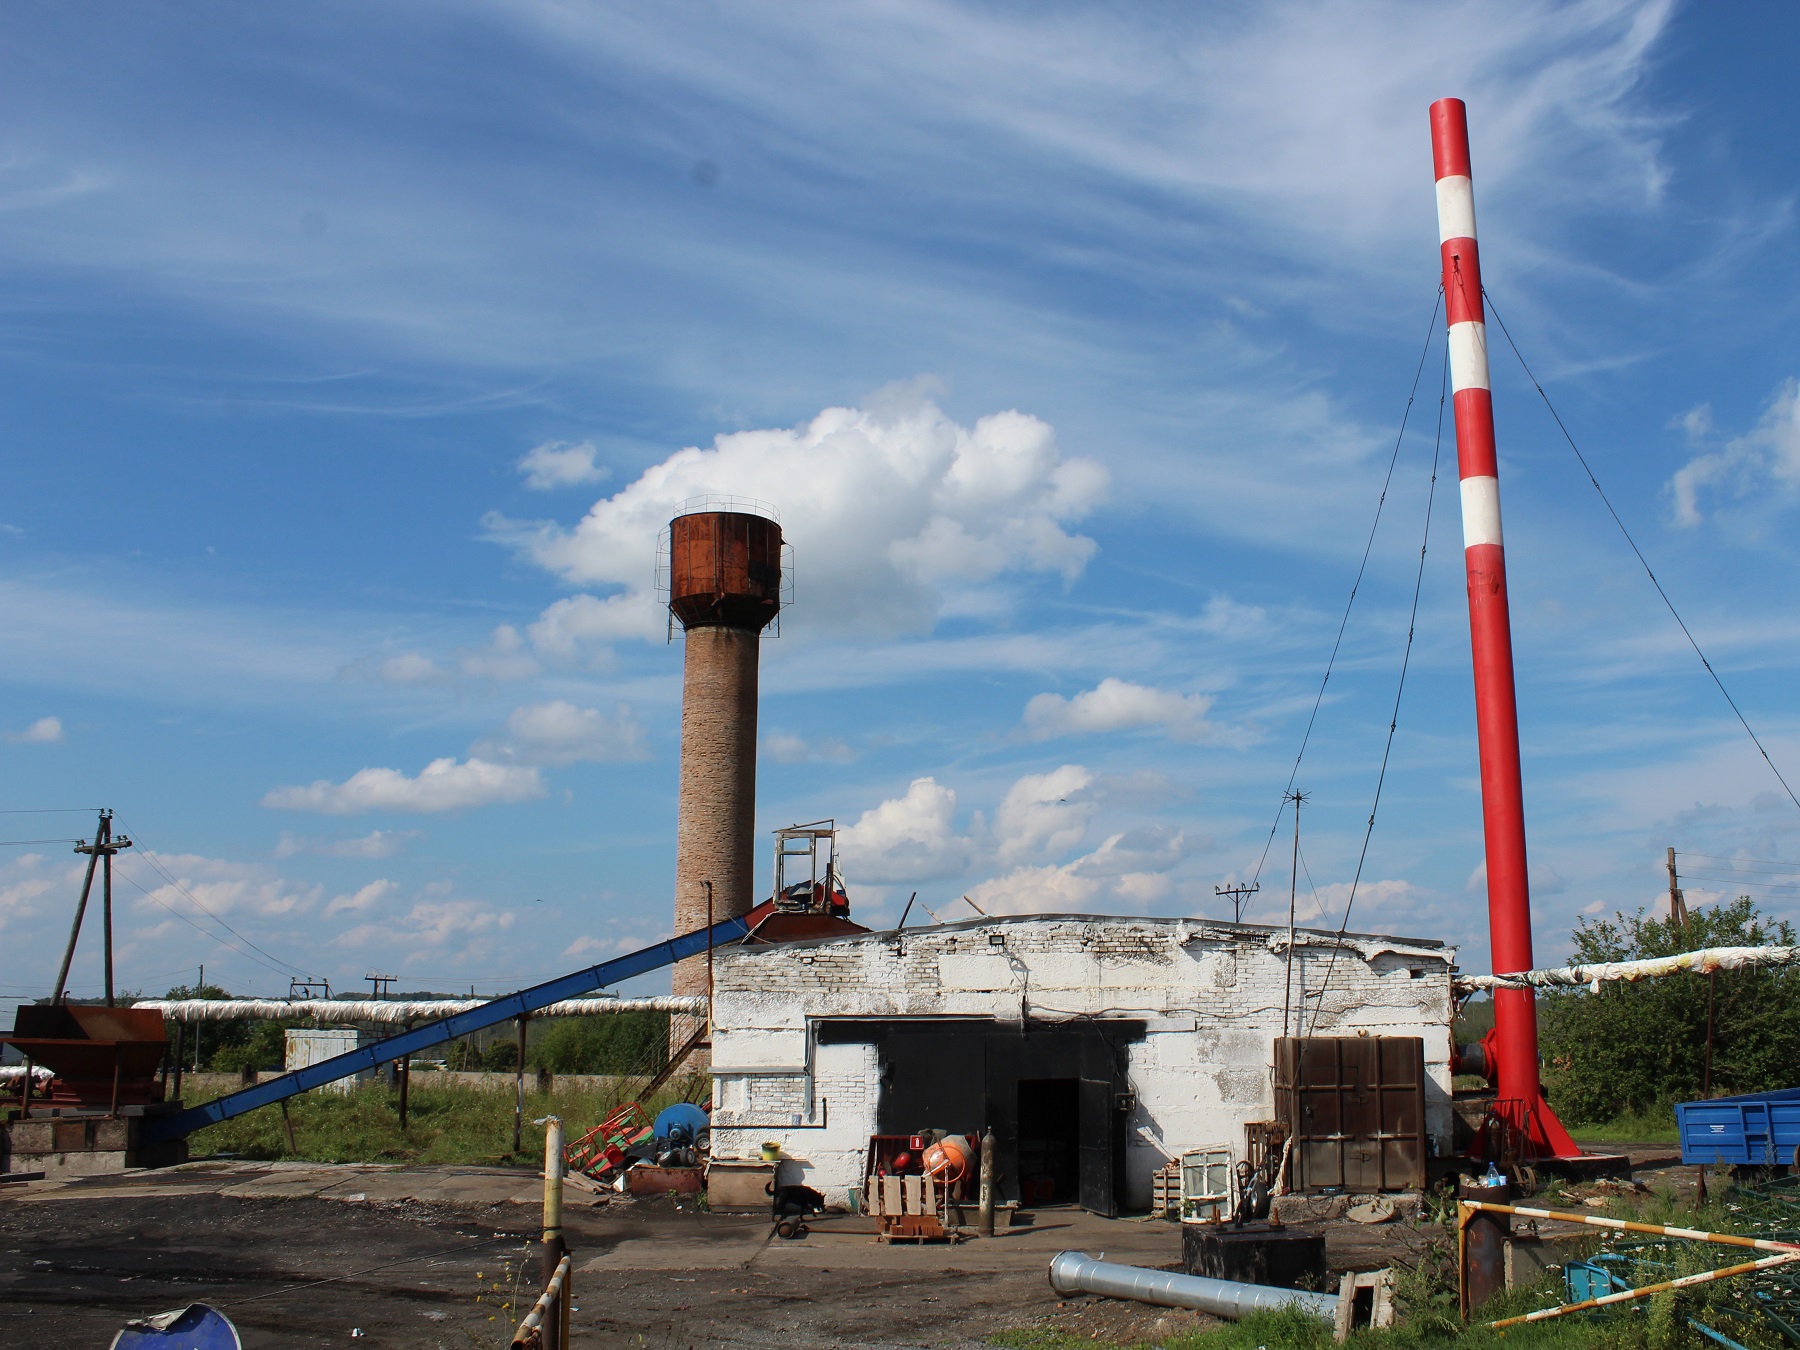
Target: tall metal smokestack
(1519, 1096)
(725, 578)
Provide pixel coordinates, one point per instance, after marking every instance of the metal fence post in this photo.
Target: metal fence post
(553, 1246)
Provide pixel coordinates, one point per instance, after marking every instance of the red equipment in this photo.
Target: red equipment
(1513, 1044)
(602, 1149)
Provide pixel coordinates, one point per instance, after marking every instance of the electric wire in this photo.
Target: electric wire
(49, 810)
(1644, 562)
(1412, 623)
(19, 843)
(1362, 567)
(1721, 857)
(126, 877)
(149, 856)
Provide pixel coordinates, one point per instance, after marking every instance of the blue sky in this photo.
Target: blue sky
(350, 357)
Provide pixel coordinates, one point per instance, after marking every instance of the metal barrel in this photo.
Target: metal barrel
(1079, 1273)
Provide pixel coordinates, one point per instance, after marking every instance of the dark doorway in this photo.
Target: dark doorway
(1049, 1141)
(1058, 1090)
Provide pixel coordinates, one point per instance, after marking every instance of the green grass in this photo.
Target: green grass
(1652, 1127)
(445, 1124)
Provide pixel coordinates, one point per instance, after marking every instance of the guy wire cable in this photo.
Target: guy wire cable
(1642, 561)
(1412, 623)
(1406, 413)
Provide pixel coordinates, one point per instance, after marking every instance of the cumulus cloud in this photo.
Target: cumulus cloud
(894, 508)
(442, 785)
(1764, 458)
(44, 731)
(375, 844)
(1044, 813)
(558, 732)
(1129, 871)
(365, 898)
(431, 927)
(786, 748)
(560, 464)
(910, 838)
(1117, 705)
(222, 885)
(504, 657)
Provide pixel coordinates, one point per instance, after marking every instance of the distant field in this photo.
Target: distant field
(445, 1124)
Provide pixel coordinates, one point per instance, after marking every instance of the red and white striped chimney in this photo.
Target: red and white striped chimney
(1513, 1047)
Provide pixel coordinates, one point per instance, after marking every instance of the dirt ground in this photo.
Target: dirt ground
(424, 1257)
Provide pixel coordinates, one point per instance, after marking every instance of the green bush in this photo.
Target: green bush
(607, 1043)
(1633, 1048)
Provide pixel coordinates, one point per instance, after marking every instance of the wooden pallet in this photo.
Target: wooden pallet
(1165, 1191)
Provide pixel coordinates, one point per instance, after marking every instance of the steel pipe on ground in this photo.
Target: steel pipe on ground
(1079, 1273)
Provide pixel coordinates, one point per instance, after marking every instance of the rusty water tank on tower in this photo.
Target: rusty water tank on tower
(725, 586)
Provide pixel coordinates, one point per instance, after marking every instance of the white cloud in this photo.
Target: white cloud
(1129, 871)
(375, 844)
(44, 731)
(1118, 705)
(431, 928)
(442, 785)
(892, 509)
(222, 885)
(910, 838)
(786, 748)
(559, 464)
(1044, 813)
(504, 657)
(1764, 458)
(560, 733)
(365, 898)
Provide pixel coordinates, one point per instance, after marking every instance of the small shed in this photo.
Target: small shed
(305, 1048)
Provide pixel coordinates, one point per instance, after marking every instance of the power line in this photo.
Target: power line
(1387, 750)
(49, 810)
(149, 856)
(19, 843)
(1362, 567)
(1607, 502)
(1720, 857)
(154, 898)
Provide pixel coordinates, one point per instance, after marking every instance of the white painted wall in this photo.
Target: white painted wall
(1210, 995)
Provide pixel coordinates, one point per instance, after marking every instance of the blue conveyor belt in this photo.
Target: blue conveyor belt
(502, 1009)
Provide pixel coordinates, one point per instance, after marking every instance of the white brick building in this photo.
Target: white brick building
(1093, 1046)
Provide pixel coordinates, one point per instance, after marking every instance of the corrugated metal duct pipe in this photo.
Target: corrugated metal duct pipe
(1079, 1273)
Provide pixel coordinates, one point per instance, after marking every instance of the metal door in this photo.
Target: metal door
(1356, 1107)
(1096, 1148)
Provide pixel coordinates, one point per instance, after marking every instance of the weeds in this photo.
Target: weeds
(451, 1123)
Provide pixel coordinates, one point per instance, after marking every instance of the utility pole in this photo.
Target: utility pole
(1287, 995)
(1678, 914)
(379, 984)
(198, 985)
(100, 851)
(1240, 898)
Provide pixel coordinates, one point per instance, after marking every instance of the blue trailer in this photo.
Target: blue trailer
(1758, 1129)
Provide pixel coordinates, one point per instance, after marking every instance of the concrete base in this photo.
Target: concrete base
(1256, 1253)
(80, 1146)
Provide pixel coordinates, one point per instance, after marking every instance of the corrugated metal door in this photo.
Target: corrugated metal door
(1356, 1106)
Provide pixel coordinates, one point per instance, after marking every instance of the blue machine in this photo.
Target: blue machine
(195, 1327)
(157, 1128)
(1758, 1129)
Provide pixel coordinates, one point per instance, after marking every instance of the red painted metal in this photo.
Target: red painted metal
(1515, 1062)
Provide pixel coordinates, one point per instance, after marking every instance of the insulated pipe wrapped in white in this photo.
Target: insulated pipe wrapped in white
(1079, 1273)
(396, 1011)
(1702, 962)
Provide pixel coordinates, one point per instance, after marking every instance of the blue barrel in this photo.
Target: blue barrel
(1757, 1129)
